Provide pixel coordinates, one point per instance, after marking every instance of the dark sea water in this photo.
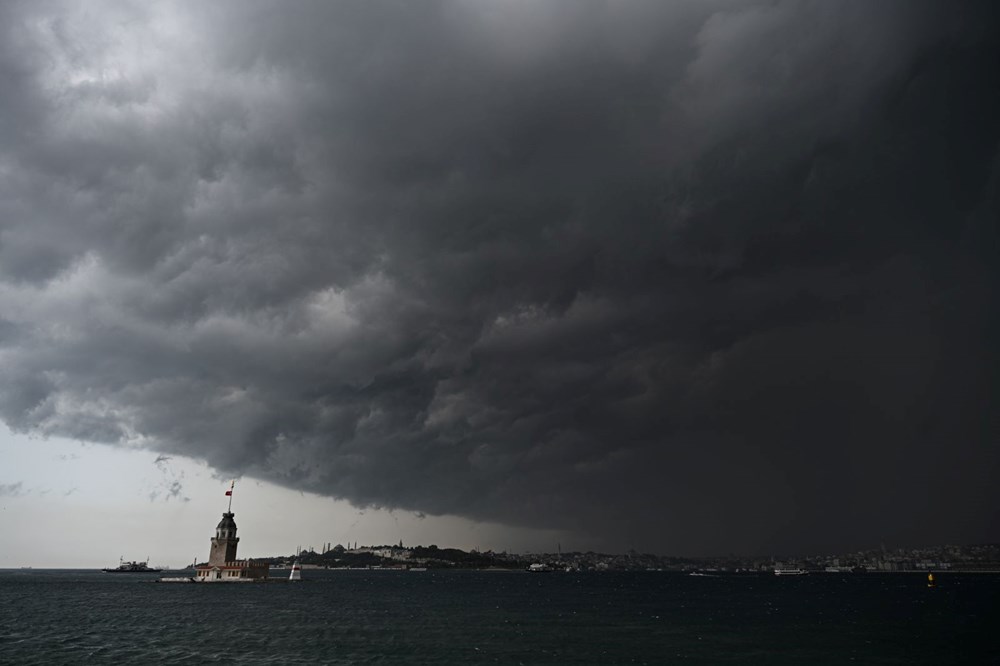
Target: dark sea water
(397, 617)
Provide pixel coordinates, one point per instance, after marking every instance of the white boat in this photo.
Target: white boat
(539, 567)
(786, 571)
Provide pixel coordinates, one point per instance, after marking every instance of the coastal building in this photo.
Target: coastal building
(222, 565)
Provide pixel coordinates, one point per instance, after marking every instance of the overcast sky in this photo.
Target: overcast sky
(695, 277)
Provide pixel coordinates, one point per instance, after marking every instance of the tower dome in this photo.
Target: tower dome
(226, 529)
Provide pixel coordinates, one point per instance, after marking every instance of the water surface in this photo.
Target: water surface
(466, 617)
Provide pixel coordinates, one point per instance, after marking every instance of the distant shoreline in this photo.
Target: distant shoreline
(727, 574)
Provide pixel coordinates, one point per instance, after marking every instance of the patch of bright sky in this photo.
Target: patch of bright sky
(67, 504)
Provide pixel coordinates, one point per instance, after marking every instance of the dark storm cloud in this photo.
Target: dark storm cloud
(681, 276)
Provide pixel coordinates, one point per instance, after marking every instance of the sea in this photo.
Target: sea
(482, 617)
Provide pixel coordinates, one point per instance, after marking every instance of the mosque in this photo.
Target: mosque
(222, 566)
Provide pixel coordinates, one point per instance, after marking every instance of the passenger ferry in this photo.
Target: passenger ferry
(131, 567)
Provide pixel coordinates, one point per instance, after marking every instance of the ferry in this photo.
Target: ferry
(131, 567)
(785, 571)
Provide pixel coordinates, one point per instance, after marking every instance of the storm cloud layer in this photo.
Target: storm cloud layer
(688, 277)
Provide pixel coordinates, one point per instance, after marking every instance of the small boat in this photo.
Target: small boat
(539, 567)
(131, 567)
(785, 571)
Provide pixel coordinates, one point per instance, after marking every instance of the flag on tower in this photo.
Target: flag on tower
(229, 493)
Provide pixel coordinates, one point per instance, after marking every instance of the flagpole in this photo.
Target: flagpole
(230, 493)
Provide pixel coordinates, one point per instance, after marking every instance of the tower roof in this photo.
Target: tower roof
(227, 521)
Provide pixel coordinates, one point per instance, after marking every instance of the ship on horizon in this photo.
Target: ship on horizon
(788, 571)
(131, 567)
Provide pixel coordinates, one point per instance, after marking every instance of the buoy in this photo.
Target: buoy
(296, 572)
(930, 580)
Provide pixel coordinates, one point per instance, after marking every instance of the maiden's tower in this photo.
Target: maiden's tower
(222, 566)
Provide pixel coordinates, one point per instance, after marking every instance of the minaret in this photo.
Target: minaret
(225, 539)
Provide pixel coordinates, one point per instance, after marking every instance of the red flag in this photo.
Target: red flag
(229, 493)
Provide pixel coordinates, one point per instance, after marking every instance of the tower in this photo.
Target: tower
(222, 564)
(224, 542)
